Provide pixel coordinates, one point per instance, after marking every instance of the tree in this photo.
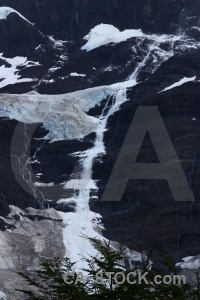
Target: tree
(48, 283)
(106, 279)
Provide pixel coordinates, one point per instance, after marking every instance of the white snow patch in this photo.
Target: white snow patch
(109, 69)
(2, 296)
(187, 258)
(38, 47)
(58, 43)
(53, 69)
(76, 225)
(179, 83)
(5, 11)
(190, 263)
(104, 34)
(15, 210)
(9, 75)
(78, 75)
(44, 184)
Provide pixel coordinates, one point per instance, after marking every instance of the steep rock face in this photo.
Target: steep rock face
(148, 217)
(11, 193)
(101, 66)
(55, 67)
(18, 36)
(27, 54)
(73, 19)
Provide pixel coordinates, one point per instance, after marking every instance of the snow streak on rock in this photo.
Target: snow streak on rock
(3, 296)
(190, 262)
(85, 222)
(179, 83)
(5, 11)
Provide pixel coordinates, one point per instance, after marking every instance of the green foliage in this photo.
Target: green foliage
(102, 282)
(49, 284)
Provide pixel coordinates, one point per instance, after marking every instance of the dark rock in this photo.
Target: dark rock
(194, 33)
(56, 165)
(75, 18)
(148, 218)
(102, 66)
(20, 38)
(69, 207)
(56, 160)
(4, 226)
(11, 192)
(4, 207)
(41, 218)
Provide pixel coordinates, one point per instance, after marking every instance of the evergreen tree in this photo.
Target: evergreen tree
(106, 279)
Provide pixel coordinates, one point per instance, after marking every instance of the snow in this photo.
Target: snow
(53, 69)
(109, 69)
(85, 222)
(76, 225)
(9, 75)
(179, 83)
(38, 174)
(64, 116)
(38, 47)
(190, 263)
(44, 184)
(58, 112)
(104, 34)
(3, 296)
(76, 74)
(187, 258)
(5, 11)
(58, 43)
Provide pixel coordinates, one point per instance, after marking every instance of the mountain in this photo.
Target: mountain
(72, 20)
(72, 77)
